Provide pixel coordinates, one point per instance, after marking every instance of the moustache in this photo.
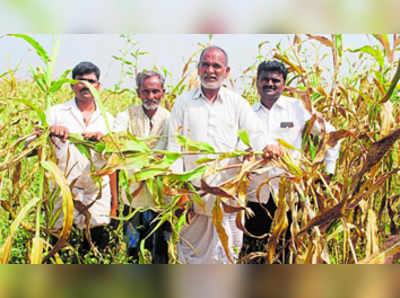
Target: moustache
(84, 89)
(210, 77)
(149, 101)
(265, 88)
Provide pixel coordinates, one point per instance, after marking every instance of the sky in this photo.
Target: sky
(169, 51)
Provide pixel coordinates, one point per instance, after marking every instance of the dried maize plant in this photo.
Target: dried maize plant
(351, 218)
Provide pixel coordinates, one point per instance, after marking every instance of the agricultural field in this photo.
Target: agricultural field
(352, 218)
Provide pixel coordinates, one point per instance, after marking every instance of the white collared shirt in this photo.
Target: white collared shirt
(286, 120)
(75, 165)
(217, 124)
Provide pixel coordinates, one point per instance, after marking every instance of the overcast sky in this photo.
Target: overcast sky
(164, 50)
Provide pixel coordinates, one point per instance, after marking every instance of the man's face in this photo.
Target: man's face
(81, 91)
(212, 69)
(270, 85)
(151, 93)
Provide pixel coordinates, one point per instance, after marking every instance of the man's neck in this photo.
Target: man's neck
(268, 102)
(86, 105)
(210, 94)
(149, 113)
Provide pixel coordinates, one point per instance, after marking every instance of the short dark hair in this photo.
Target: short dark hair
(273, 66)
(214, 48)
(85, 68)
(142, 76)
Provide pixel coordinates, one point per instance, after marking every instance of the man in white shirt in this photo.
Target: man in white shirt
(212, 114)
(145, 120)
(284, 118)
(82, 116)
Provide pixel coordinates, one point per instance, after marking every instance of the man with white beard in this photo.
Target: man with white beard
(145, 120)
(212, 114)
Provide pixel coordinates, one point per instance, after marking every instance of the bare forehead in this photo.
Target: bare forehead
(213, 54)
(152, 82)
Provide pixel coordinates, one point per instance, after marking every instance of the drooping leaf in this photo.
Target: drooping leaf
(322, 39)
(7, 245)
(371, 51)
(393, 84)
(218, 215)
(67, 205)
(36, 45)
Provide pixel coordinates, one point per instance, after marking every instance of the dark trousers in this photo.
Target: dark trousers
(260, 224)
(138, 227)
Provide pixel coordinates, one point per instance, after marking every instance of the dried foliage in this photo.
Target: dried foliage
(352, 218)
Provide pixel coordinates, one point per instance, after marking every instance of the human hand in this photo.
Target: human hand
(93, 136)
(272, 151)
(59, 132)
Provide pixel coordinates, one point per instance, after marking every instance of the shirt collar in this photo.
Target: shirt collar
(71, 105)
(198, 93)
(280, 103)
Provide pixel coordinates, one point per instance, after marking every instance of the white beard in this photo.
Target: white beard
(212, 85)
(150, 106)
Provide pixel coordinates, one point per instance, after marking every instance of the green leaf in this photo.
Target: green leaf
(67, 204)
(191, 145)
(339, 44)
(84, 150)
(168, 159)
(195, 173)
(244, 137)
(148, 173)
(204, 160)
(5, 73)
(371, 51)
(99, 104)
(5, 250)
(36, 45)
(56, 85)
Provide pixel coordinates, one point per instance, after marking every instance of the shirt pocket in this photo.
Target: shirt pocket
(287, 133)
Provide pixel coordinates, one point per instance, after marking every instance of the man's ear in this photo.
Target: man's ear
(227, 71)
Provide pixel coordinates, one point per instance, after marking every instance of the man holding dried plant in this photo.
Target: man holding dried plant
(143, 121)
(82, 116)
(212, 114)
(282, 118)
